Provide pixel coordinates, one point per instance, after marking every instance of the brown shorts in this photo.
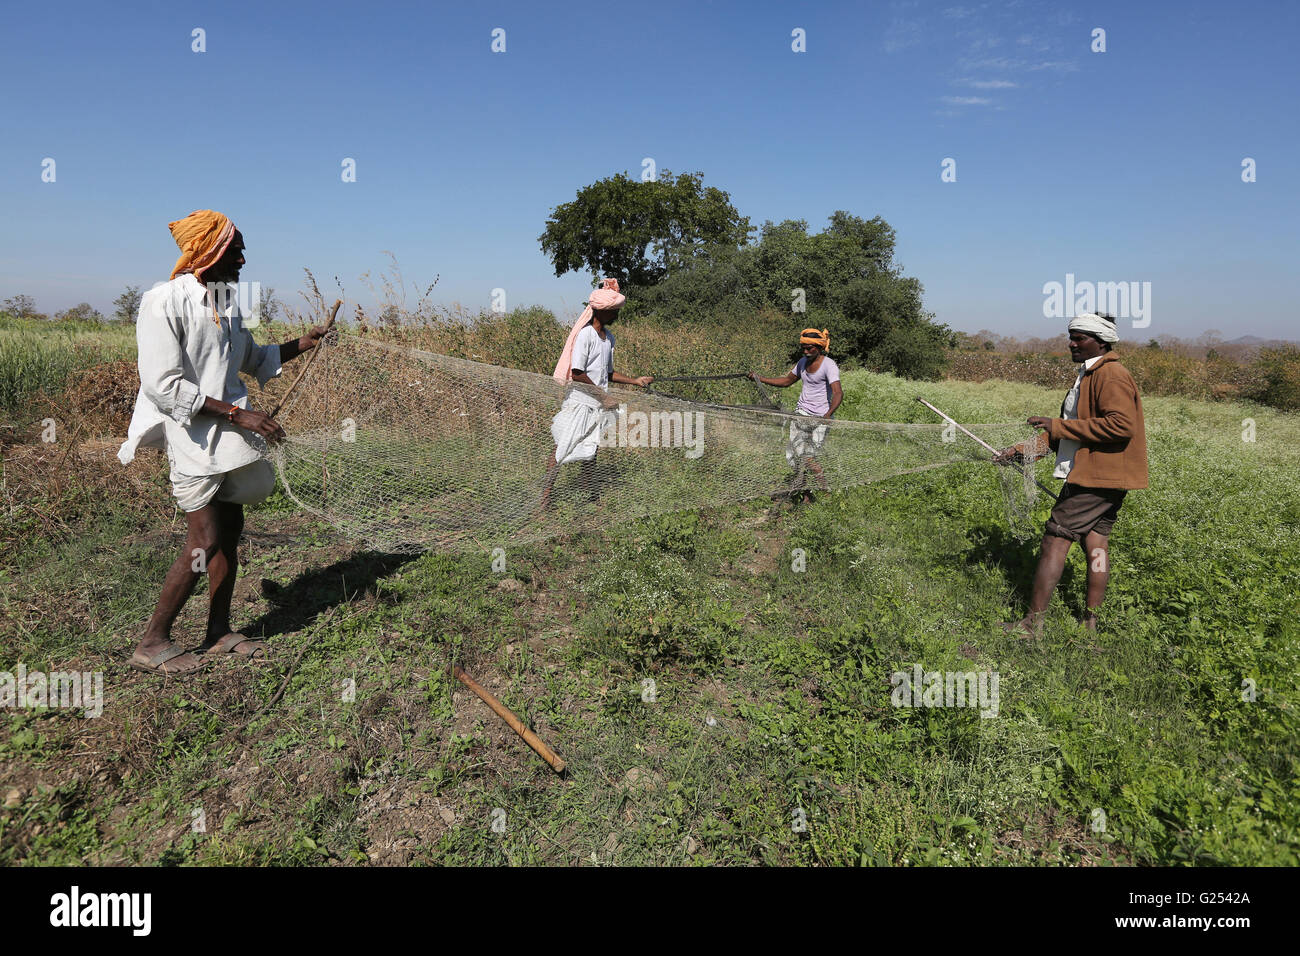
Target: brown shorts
(1081, 510)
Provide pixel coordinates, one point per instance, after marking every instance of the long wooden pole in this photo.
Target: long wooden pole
(310, 358)
(517, 725)
(970, 434)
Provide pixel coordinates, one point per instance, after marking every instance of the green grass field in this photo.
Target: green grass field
(767, 734)
(39, 355)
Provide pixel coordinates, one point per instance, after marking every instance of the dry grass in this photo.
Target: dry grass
(1158, 371)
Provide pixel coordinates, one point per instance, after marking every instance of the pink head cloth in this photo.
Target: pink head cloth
(606, 297)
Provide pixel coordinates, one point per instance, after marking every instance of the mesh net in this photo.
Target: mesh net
(736, 390)
(1020, 492)
(409, 450)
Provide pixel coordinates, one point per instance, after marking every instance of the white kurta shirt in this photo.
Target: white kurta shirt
(184, 357)
(595, 356)
(1067, 448)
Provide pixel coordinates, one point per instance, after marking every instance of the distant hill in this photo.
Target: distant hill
(1255, 340)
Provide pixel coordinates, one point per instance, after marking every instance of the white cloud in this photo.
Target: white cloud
(1060, 66)
(990, 63)
(901, 34)
(905, 28)
(989, 84)
(967, 100)
(1007, 64)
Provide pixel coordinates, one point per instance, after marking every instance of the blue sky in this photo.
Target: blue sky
(1115, 166)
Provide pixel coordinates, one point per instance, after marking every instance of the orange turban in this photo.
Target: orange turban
(203, 237)
(813, 337)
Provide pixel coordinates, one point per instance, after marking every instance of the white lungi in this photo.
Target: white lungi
(806, 438)
(577, 428)
(246, 485)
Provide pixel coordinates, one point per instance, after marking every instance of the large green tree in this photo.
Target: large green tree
(843, 277)
(637, 232)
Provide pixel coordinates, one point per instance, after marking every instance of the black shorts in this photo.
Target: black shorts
(1081, 510)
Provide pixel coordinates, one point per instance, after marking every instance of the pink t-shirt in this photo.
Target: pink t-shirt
(815, 399)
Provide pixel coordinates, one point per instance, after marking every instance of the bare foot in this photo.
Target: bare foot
(1090, 620)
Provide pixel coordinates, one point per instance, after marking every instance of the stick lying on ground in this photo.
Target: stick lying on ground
(970, 434)
(310, 358)
(517, 725)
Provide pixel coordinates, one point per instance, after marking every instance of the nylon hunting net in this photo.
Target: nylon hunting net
(408, 450)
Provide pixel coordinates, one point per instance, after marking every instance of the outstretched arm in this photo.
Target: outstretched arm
(620, 379)
(785, 381)
(606, 399)
(1032, 448)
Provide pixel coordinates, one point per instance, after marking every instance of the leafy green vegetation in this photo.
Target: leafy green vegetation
(843, 278)
(39, 355)
(718, 682)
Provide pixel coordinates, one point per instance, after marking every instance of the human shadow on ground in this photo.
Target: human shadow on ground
(1019, 559)
(311, 593)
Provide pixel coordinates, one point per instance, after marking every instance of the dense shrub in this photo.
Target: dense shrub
(843, 279)
(1278, 372)
(913, 350)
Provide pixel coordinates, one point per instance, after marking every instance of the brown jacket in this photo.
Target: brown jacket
(1110, 429)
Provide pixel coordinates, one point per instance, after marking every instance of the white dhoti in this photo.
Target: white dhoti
(577, 428)
(806, 438)
(247, 485)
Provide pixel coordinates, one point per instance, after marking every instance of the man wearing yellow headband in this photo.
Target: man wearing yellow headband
(820, 397)
(1101, 452)
(192, 346)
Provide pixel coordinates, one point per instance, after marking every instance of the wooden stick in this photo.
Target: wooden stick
(970, 434)
(965, 431)
(311, 358)
(515, 723)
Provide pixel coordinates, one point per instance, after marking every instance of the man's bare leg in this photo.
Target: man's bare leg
(1097, 548)
(587, 475)
(819, 474)
(223, 568)
(1051, 563)
(552, 469)
(202, 546)
(222, 572)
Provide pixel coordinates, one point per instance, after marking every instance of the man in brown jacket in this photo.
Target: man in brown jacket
(1101, 451)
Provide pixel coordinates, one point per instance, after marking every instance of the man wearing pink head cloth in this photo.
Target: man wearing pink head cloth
(587, 364)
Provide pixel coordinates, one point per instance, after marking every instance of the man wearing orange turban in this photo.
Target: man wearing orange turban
(192, 346)
(203, 237)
